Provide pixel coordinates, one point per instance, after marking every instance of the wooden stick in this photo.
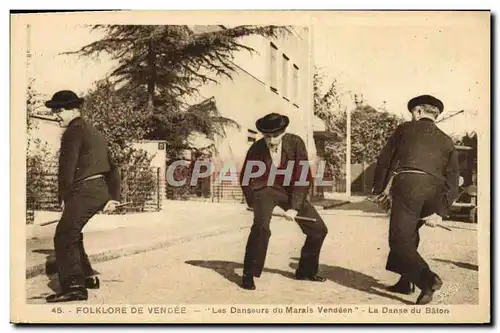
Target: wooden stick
(55, 221)
(443, 227)
(44, 118)
(50, 222)
(123, 204)
(304, 218)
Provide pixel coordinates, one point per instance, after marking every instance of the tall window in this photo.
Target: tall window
(284, 71)
(295, 85)
(273, 66)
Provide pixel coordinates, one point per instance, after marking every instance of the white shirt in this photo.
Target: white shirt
(276, 154)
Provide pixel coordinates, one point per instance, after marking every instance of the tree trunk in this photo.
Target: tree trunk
(151, 76)
(363, 167)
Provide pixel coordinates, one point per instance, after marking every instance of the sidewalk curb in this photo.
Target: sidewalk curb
(115, 253)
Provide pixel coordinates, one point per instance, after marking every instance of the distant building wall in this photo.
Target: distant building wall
(157, 150)
(276, 78)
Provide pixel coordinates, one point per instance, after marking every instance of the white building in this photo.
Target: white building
(277, 77)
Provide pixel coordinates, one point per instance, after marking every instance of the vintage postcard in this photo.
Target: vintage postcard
(251, 167)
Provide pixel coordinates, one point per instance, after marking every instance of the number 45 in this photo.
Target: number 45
(57, 310)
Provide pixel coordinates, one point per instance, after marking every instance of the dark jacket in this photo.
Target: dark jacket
(84, 153)
(293, 149)
(420, 145)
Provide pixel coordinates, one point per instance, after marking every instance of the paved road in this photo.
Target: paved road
(208, 269)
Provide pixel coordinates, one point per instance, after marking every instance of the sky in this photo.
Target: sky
(389, 57)
(393, 57)
(54, 71)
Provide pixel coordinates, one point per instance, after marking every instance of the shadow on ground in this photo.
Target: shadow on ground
(51, 272)
(50, 267)
(227, 269)
(339, 275)
(458, 264)
(354, 280)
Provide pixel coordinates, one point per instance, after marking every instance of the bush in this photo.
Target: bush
(139, 182)
(41, 179)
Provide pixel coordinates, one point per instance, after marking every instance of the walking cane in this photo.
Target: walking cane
(303, 218)
(55, 221)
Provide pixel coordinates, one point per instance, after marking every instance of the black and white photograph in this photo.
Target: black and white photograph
(251, 167)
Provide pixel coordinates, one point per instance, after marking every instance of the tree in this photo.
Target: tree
(122, 122)
(176, 126)
(118, 118)
(169, 60)
(161, 66)
(370, 130)
(33, 103)
(39, 161)
(329, 108)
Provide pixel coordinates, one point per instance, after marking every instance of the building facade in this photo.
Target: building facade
(277, 77)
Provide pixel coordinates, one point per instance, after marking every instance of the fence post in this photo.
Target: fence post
(30, 210)
(30, 207)
(212, 180)
(218, 191)
(238, 176)
(158, 191)
(124, 181)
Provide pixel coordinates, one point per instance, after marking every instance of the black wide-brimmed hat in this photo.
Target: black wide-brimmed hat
(272, 123)
(425, 99)
(64, 99)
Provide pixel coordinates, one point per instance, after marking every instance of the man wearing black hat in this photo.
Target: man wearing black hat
(88, 182)
(420, 165)
(281, 158)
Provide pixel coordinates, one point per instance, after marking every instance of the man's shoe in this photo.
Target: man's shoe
(92, 283)
(425, 296)
(75, 293)
(403, 286)
(248, 282)
(314, 278)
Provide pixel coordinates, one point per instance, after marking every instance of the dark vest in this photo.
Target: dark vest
(292, 149)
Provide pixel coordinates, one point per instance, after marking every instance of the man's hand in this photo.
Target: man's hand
(110, 206)
(432, 220)
(291, 214)
(383, 201)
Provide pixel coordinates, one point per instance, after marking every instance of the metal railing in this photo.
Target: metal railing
(210, 189)
(140, 188)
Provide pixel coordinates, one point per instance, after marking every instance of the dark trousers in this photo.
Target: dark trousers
(86, 199)
(265, 200)
(414, 196)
